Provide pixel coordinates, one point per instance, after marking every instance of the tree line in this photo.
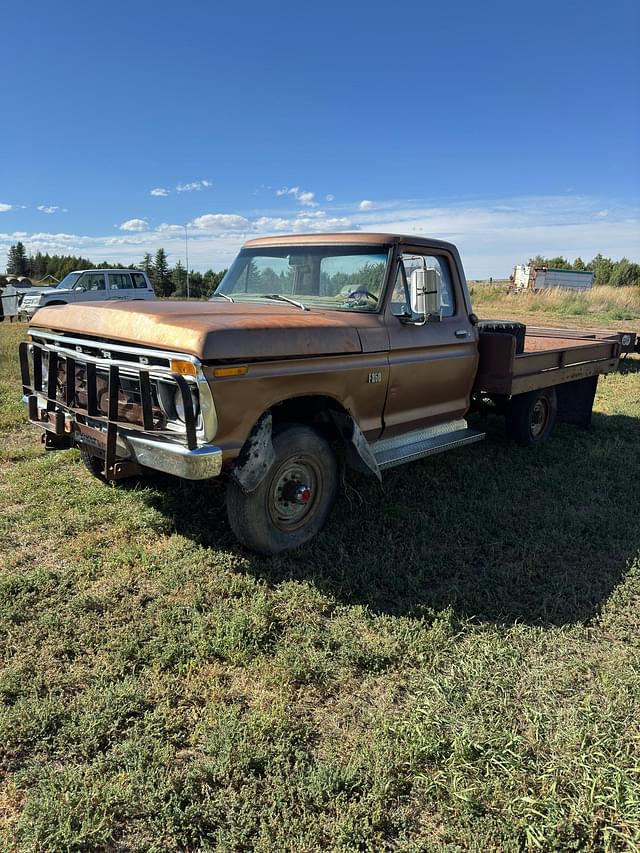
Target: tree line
(172, 281)
(166, 280)
(622, 273)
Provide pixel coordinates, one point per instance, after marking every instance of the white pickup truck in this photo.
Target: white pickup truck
(91, 286)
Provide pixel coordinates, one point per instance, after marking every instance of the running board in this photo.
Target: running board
(425, 442)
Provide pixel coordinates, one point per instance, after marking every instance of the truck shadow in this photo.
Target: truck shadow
(495, 532)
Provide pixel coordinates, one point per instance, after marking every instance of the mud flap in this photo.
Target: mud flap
(357, 450)
(256, 457)
(575, 401)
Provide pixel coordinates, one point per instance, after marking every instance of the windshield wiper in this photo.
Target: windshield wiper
(282, 298)
(223, 295)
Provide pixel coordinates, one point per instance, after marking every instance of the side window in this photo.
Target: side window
(423, 283)
(119, 281)
(139, 280)
(91, 281)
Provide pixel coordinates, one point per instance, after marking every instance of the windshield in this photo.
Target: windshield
(344, 278)
(68, 281)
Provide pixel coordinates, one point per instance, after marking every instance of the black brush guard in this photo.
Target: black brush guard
(60, 434)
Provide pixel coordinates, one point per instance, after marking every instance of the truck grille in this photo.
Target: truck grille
(107, 396)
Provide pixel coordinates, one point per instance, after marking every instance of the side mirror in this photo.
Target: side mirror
(425, 292)
(425, 297)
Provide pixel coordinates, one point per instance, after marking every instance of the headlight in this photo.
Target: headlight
(45, 369)
(179, 405)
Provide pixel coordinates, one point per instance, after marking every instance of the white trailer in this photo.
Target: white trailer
(529, 277)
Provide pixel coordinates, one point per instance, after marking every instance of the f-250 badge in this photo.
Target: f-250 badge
(375, 377)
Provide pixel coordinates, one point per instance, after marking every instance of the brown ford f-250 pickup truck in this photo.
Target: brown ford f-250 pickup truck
(314, 348)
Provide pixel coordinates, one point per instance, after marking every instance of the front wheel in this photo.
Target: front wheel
(294, 499)
(93, 464)
(532, 416)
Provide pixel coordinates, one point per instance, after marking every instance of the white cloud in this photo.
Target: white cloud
(134, 225)
(497, 234)
(220, 222)
(166, 228)
(5, 207)
(329, 197)
(492, 235)
(303, 197)
(160, 192)
(365, 204)
(52, 208)
(602, 213)
(193, 186)
(311, 222)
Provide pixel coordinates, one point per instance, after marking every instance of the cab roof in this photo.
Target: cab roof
(348, 238)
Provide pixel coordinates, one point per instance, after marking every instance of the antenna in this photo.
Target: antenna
(186, 251)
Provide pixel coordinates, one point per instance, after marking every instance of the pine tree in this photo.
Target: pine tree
(17, 263)
(212, 280)
(162, 284)
(147, 264)
(179, 279)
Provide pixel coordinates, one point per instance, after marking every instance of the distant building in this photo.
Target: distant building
(530, 277)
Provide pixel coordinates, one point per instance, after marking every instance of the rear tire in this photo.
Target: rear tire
(532, 416)
(293, 501)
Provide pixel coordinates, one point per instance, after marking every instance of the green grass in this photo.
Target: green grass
(453, 665)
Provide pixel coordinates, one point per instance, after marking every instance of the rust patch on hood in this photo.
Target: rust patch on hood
(213, 330)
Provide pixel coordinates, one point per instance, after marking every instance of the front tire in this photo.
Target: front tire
(532, 416)
(93, 464)
(293, 501)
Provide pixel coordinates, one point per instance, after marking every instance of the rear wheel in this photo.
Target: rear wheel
(532, 416)
(294, 499)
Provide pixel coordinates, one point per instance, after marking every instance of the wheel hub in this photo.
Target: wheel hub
(539, 417)
(297, 493)
(294, 492)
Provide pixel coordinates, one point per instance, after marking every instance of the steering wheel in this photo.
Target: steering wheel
(362, 292)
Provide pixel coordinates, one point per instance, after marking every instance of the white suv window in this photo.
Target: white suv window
(120, 281)
(139, 280)
(90, 281)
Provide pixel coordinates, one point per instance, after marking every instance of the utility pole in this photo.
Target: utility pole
(186, 251)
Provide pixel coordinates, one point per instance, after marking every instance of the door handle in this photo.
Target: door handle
(461, 333)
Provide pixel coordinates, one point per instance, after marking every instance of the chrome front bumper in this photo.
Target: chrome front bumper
(199, 464)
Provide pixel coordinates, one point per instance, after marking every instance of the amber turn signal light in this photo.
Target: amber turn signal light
(183, 367)
(230, 371)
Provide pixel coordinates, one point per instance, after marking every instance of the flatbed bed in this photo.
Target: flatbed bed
(550, 357)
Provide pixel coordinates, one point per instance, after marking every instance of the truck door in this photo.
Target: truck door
(433, 359)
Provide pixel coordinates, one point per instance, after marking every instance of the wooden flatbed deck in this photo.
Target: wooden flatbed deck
(550, 357)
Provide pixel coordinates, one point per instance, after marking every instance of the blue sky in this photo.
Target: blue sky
(508, 128)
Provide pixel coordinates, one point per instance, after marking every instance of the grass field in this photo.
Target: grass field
(453, 665)
(608, 307)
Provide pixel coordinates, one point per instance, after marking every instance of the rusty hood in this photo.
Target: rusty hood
(212, 330)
